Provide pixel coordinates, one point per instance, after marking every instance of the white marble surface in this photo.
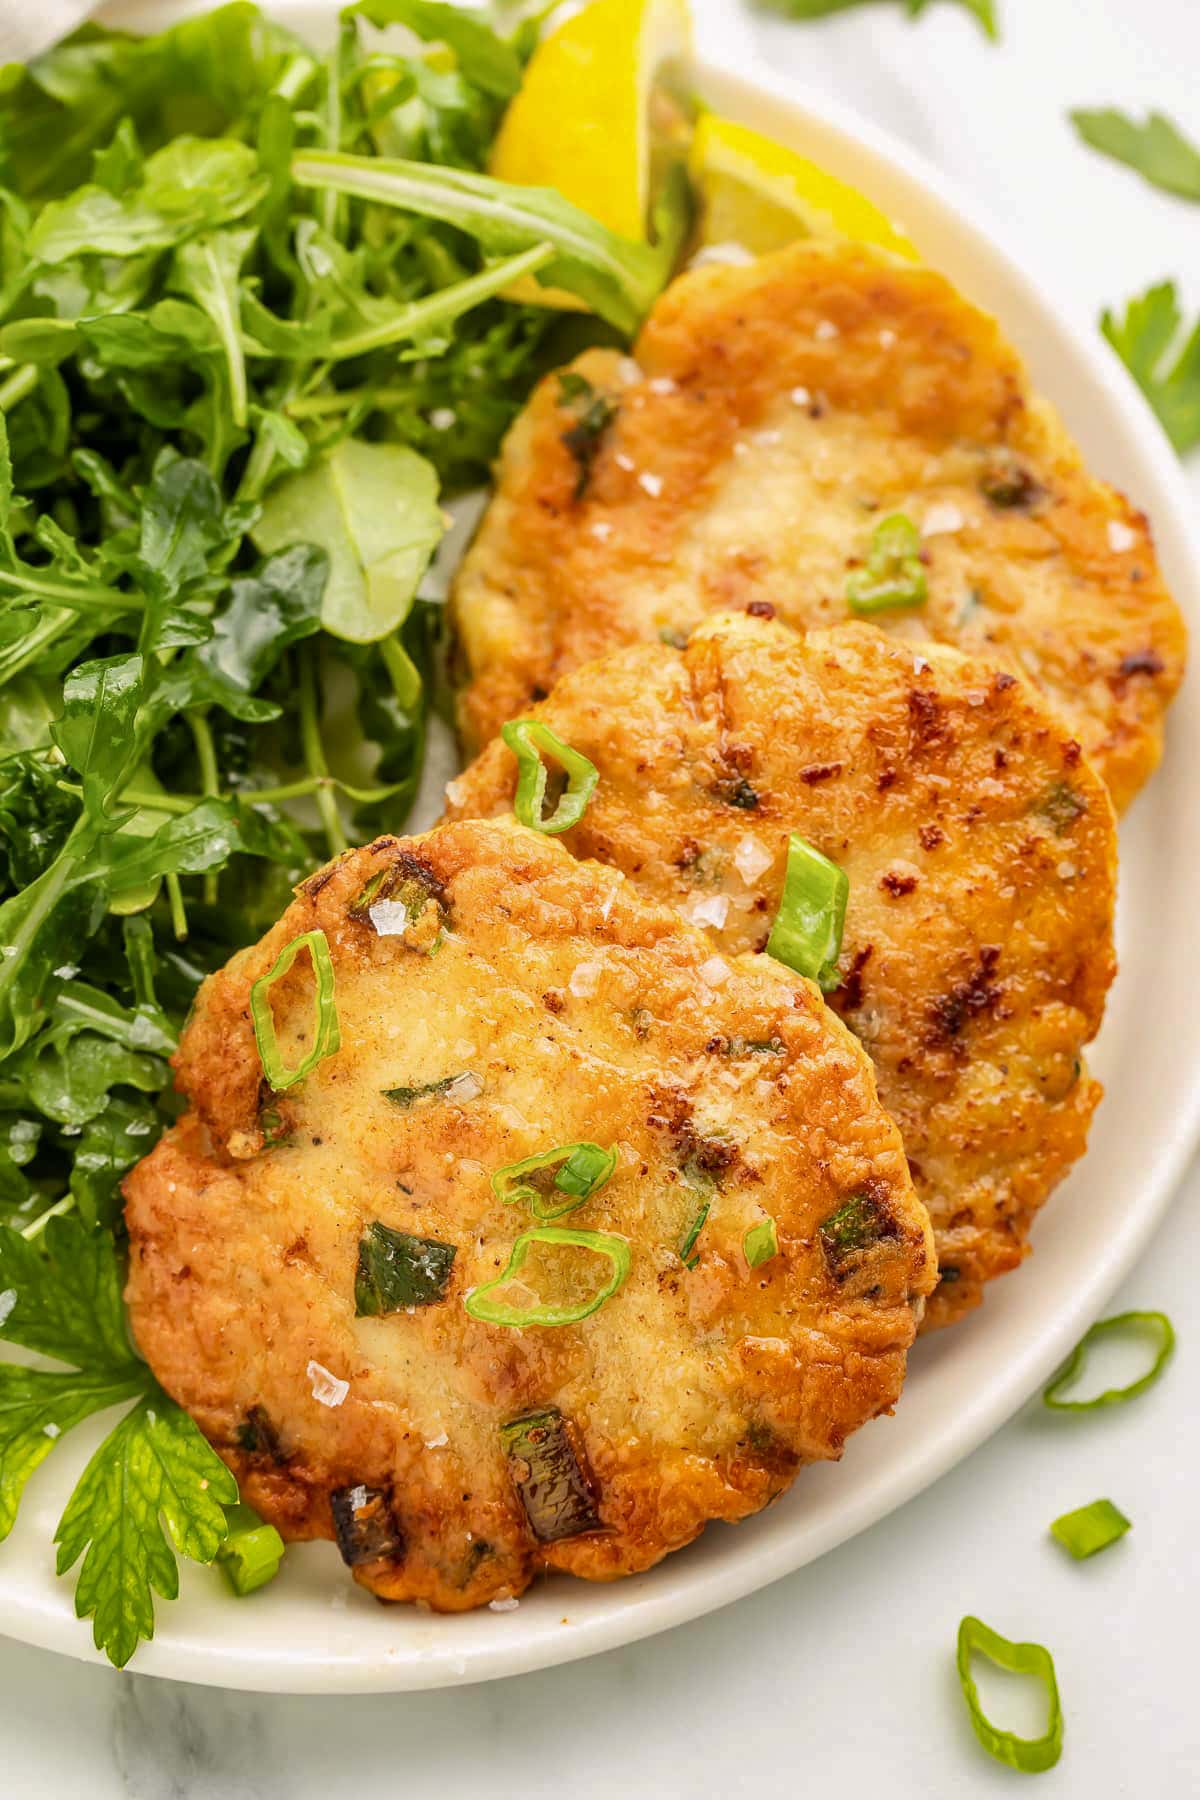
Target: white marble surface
(841, 1675)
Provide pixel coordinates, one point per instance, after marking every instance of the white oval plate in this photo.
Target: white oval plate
(313, 1631)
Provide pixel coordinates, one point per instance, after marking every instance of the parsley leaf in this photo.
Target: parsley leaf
(1157, 149)
(155, 1466)
(983, 10)
(1144, 340)
(63, 1299)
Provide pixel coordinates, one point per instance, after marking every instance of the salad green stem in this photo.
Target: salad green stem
(179, 921)
(314, 754)
(19, 385)
(444, 305)
(65, 1205)
(210, 778)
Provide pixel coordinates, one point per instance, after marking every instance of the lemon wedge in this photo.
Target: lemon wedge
(755, 193)
(592, 108)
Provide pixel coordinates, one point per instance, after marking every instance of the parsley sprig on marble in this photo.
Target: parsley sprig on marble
(154, 1487)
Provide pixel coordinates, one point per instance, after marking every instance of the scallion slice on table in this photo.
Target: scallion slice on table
(531, 742)
(580, 1170)
(481, 1304)
(1155, 1325)
(761, 1243)
(252, 1552)
(807, 933)
(327, 1035)
(893, 576)
(1030, 1755)
(1090, 1529)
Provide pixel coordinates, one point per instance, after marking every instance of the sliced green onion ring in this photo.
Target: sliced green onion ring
(761, 1243)
(1155, 1323)
(1090, 1529)
(252, 1551)
(582, 1168)
(1030, 1755)
(327, 1035)
(530, 741)
(893, 575)
(807, 933)
(481, 1306)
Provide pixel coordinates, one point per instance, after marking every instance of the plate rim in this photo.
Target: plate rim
(288, 1669)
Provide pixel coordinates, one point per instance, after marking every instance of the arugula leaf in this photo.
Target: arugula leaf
(208, 270)
(484, 58)
(154, 1467)
(983, 10)
(373, 509)
(96, 732)
(1156, 148)
(189, 186)
(618, 278)
(1144, 340)
(267, 612)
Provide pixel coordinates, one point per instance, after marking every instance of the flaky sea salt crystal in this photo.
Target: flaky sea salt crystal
(825, 330)
(327, 1389)
(464, 1087)
(622, 461)
(389, 917)
(585, 978)
(887, 338)
(712, 910)
(661, 384)
(437, 1442)
(651, 484)
(715, 972)
(751, 860)
(1120, 537)
(52, 1430)
(942, 517)
(800, 396)
(601, 529)
(508, 1604)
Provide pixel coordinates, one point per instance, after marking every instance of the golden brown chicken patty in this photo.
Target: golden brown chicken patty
(980, 848)
(775, 415)
(302, 1262)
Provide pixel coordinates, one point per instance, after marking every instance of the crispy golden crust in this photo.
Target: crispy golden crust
(981, 853)
(774, 415)
(586, 1012)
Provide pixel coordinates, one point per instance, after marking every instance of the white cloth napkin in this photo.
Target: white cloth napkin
(27, 27)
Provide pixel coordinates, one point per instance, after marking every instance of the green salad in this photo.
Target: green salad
(253, 335)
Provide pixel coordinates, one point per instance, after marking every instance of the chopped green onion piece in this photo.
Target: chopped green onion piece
(1090, 1528)
(251, 1553)
(494, 1312)
(692, 1233)
(582, 1169)
(547, 1466)
(807, 933)
(761, 1243)
(1155, 1323)
(894, 575)
(462, 1087)
(396, 1270)
(327, 1036)
(530, 741)
(1030, 1755)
